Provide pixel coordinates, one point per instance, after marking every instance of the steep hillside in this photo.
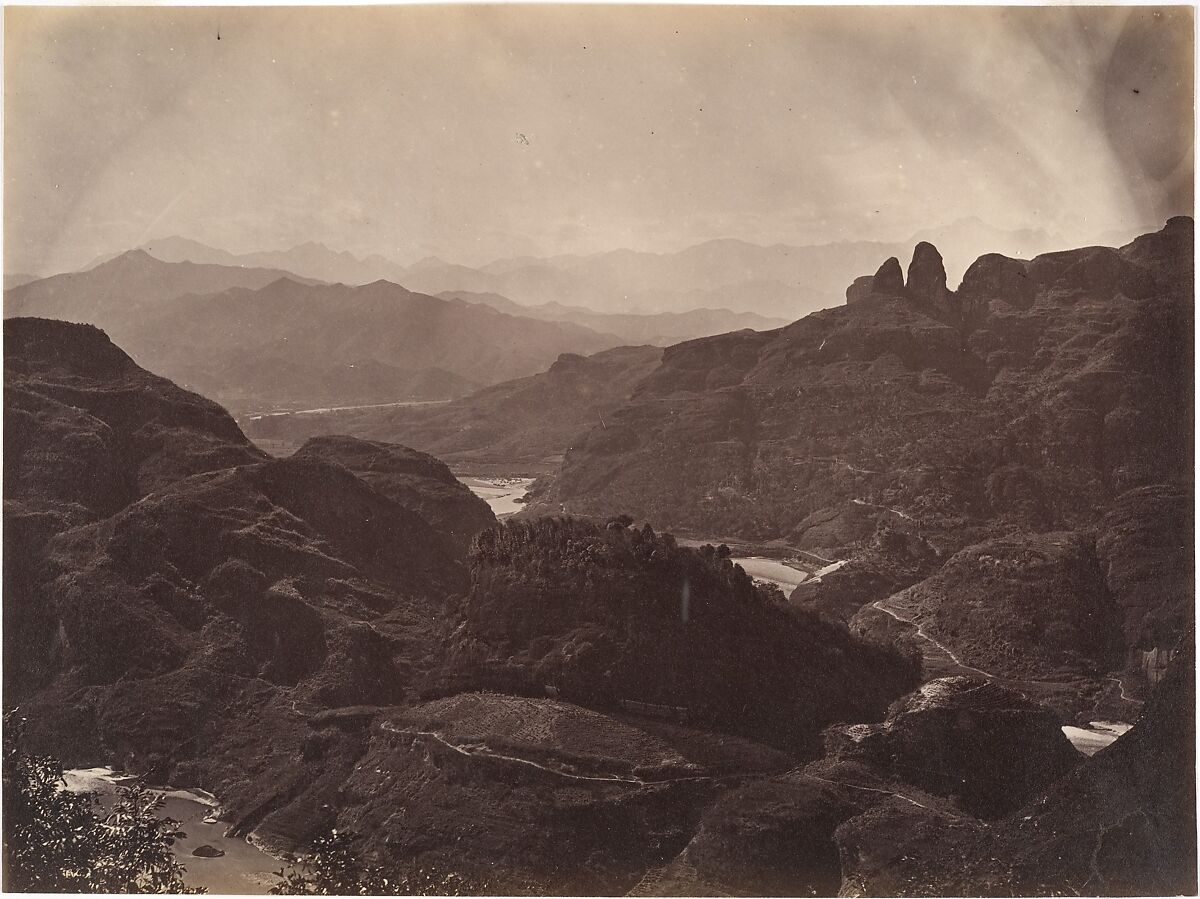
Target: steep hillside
(524, 425)
(915, 421)
(1121, 824)
(220, 596)
(170, 597)
(87, 431)
(414, 480)
(617, 615)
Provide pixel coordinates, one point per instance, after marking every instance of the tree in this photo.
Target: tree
(55, 842)
(333, 869)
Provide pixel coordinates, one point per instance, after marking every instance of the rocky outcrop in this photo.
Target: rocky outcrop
(995, 277)
(87, 431)
(983, 745)
(1122, 823)
(1057, 388)
(1102, 271)
(1166, 253)
(861, 289)
(926, 285)
(889, 279)
(416, 481)
(927, 280)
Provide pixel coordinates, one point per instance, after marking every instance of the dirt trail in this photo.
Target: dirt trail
(863, 502)
(909, 799)
(480, 750)
(932, 641)
(1125, 696)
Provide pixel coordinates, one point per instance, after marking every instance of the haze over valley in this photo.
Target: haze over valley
(560, 450)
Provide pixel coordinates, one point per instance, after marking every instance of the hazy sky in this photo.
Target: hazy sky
(481, 132)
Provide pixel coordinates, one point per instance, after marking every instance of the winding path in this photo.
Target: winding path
(863, 502)
(1125, 696)
(909, 799)
(482, 751)
(920, 628)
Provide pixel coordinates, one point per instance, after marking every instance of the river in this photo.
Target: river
(323, 410)
(243, 869)
(782, 575)
(504, 495)
(1090, 740)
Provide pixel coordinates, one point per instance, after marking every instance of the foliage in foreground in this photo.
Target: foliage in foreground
(332, 868)
(56, 841)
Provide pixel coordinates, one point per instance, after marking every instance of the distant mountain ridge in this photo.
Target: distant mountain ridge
(118, 292)
(778, 281)
(261, 338)
(658, 329)
(307, 260)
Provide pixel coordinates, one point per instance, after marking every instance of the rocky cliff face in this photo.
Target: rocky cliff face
(173, 602)
(1122, 823)
(87, 431)
(1033, 401)
(416, 481)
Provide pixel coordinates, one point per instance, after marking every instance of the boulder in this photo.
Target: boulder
(984, 745)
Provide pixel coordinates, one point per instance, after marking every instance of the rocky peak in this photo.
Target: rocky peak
(993, 276)
(926, 273)
(861, 289)
(926, 283)
(889, 279)
(568, 361)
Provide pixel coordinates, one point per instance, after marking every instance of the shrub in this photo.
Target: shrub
(55, 841)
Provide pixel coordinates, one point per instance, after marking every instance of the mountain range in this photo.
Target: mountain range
(1037, 416)
(779, 281)
(262, 338)
(996, 482)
